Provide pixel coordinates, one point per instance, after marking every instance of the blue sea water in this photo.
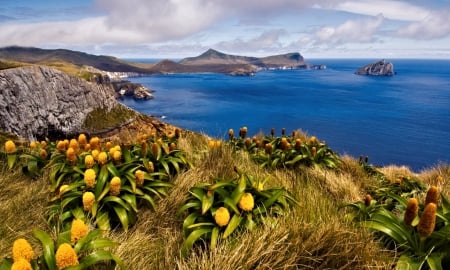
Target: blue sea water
(403, 119)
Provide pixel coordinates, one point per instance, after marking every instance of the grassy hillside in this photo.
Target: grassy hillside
(316, 232)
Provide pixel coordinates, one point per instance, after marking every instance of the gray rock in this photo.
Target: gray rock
(380, 68)
(36, 100)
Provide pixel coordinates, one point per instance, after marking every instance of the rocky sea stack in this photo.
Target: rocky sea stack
(380, 68)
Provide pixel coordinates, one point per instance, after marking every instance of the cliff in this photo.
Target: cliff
(380, 68)
(38, 101)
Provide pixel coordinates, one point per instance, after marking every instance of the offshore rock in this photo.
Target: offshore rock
(380, 68)
(38, 100)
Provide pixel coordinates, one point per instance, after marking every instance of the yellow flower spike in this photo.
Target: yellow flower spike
(268, 147)
(89, 178)
(160, 141)
(43, 153)
(82, 140)
(246, 202)
(298, 144)
(248, 142)
(71, 155)
(87, 147)
(313, 140)
(139, 178)
(222, 217)
(61, 146)
(243, 132)
(117, 155)
(22, 250)
(155, 149)
(21, 264)
(172, 146)
(88, 200)
(89, 161)
(144, 148)
(231, 134)
(112, 150)
(74, 144)
(432, 195)
(66, 142)
(114, 188)
(95, 153)
(102, 158)
(108, 145)
(95, 143)
(151, 167)
(427, 220)
(211, 144)
(313, 151)
(65, 256)
(33, 145)
(412, 208)
(43, 144)
(177, 133)
(10, 147)
(78, 230)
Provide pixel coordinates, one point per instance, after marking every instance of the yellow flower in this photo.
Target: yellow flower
(65, 256)
(155, 149)
(231, 134)
(412, 208)
(243, 132)
(172, 146)
(268, 148)
(33, 145)
(78, 230)
(61, 146)
(222, 217)
(10, 147)
(246, 202)
(102, 158)
(43, 144)
(139, 178)
(22, 250)
(114, 188)
(151, 167)
(71, 155)
(88, 200)
(89, 178)
(74, 144)
(432, 195)
(313, 151)
(21, 264)
(87, 147)
(108, 145)
(43, 154)
(89, 161)
(427, 220)
(144, 148)
(82, 140)
(117, 155)
(367, 200)
(112, 150)
(313, 140)
(95, 143)
(95, 153)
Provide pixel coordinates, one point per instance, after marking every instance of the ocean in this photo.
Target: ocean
(401, 120)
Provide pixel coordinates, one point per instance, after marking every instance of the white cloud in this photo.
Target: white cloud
(267, 41)
(394, 10)
(360, 31)
(435, 26)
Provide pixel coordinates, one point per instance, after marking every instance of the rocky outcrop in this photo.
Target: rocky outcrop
(134, 90)
(380, 68)
(38, 100)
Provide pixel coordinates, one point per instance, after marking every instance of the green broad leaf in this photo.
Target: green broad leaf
(295, 160)
(81, 245)
(148, 199)
(96, 257)
(48, 248)
(186, 206)
(188, 221)
(112, 169)
(275, 162)
(230, 203)
(214, 237)
(239, 190)
(131, 200)
(175, 165)
(207, 202)
(275, 196)
(77, 170)
(434, 262)
(102, 220)
(122, 214)
(102, 179)
(104, 192)
(74, 198)
(445, 204)
(11, 160)
(192, 238)
(392, 231)
(249, 224)
(126, 153)
(201, 224)
(63, 237)
(232, 225)
(6, 264)
(32, 167)
(197, 192)
(406, 262)
(118, 201)
(78, 213)
(166, 166)
(220, 184)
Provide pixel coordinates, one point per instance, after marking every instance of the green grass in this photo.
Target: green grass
(313, 235)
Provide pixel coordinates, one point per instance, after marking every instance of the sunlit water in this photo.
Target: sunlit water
(404, 119)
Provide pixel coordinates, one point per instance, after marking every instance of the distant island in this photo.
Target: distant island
(380, 68)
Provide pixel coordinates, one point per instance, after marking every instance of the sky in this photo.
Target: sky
(181, 28)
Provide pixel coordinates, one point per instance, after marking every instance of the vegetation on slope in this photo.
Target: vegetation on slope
(316, 232)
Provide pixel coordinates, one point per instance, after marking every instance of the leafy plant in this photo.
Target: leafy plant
(220, 209)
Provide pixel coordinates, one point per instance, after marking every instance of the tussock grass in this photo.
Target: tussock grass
(313, 235)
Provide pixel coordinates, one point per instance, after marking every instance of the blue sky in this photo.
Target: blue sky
(180, 28)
